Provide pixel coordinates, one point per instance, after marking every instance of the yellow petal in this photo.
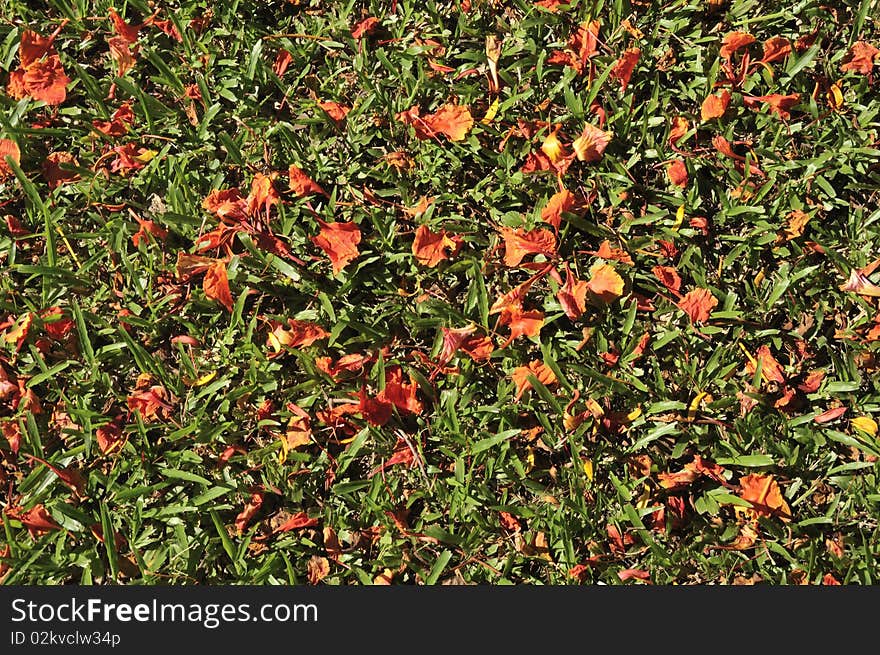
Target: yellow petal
(866, 424)
(695, 404)
(552, 147)
(679, 218)
(491, 112)
(588, 469)
(146, 156)
(206, 378)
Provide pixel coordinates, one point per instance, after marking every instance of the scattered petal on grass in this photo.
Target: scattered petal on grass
(247, 514)
(668, 277)
(865, 424)
(605, 282)
(335, 110)
(559, 203)
(431, 248)
(734, 42)
(624, 67)
(572, 295)
(776, 48)
(698, 305)
(715, 105)
(216, 284)
(543, 373)
(829, 415)
(860, 284)
(301, 184)
(861, 58)
(591, 144)
(677, 172)
(340, 242)
(520, 243)
(453, 121)
(778, 104)
(365, 27)
(56, 169)
(8, 148)
(633, 574)
(679, 126)
(763, 492)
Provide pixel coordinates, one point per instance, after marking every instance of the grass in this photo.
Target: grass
(491, 488)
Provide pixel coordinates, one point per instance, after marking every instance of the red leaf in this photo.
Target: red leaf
(15, 227)
(559, 203)
(551, 5)
(42, 80)
(168, 27)
(70, 476)
(299, 335)
(12, 433)
(812, 382)
(771, 370)
(150, 403)
(129, 157)
(282, 60)
(398, 393)
(763, 492)
(119, 122)
(521, 323)
(629, 574)
(34, 47)
(830, 581)
(543, 373)
(339, 241)
(591, 144)
(148, 227)
(829, 415)
(37, 520)
(608, 253)
(605, 283)
(226, 204)
(403, 454)
(476, 347)
(122, 54)
(584, 43)
(677, 129)
(109, 437)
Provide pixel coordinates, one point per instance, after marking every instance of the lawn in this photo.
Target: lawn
(439, 292)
